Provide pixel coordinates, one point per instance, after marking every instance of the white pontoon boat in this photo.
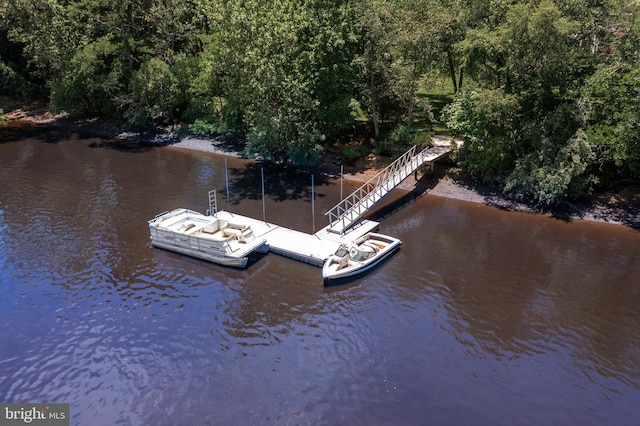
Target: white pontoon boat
(205, 237)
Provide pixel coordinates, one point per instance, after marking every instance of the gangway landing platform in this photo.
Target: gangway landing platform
(350, 210)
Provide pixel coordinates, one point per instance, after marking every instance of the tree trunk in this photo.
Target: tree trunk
(412, 97)
(126, 30)
(410, 109)
(460, 78)
(452, 71)
(374, 104)
(129, 53)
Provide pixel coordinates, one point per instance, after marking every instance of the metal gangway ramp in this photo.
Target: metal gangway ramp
(348, 211)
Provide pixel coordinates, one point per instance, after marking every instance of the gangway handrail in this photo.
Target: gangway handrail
(367, 191)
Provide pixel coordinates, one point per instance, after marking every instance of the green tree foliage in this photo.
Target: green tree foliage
(154, 93)
(416, 39)
(610, 101)
(546, 90)
(556, 167)
(401, 43)
(373, 23)
(86, 84)
(488, 119)
(286, 73)
(526, 124)
(36, 38)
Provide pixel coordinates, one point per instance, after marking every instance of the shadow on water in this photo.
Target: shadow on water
(625, 210)
(123, 145)
(353, 281)
(253, 259)
(426, 182)
(140, 140)
(343, 284)
(20, 130)
(119, 137)
(281, 182)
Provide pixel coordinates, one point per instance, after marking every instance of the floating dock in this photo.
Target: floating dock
(345, 219)
(313, 249)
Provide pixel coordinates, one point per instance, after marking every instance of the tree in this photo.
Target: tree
(488, 119)
(479, 51)
(610, 102)
(91, 80)
(416, 38)
(287, 77)
(43, 35)
(558, 165)
(373, 24)
(97, 47)
(544, 63)
(532, 66)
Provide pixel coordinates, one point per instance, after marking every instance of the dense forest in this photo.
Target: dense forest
(545, 93)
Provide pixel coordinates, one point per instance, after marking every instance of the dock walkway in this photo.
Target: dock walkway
(348, 212)
(345, 219)
(313, 249)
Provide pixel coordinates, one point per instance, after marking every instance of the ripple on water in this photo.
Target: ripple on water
(483, 316)
(101, 361)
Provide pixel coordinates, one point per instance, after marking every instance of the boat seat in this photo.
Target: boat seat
(232, 232)
(344, 262)
(376, 243)
(375, 247)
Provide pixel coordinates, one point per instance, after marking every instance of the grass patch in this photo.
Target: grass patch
(437, 96)
(351, 155)
(206, 128)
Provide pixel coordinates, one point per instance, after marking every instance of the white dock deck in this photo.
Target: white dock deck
(313, 249)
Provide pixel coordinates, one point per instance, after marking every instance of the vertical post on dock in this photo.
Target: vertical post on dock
(313, 205)
(341, 179)
(264, 217)
(226, 178)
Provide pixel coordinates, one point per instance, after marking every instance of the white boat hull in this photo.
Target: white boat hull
(234, 262)
(364, 254)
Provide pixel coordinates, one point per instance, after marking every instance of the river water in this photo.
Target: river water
(483, 316)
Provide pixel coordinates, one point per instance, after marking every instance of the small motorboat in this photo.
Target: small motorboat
(205, 237)
(358, 257)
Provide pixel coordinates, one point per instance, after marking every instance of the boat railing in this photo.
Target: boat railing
(158, 215)
(193, 241)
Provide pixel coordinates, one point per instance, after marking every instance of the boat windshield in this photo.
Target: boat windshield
(342, 251)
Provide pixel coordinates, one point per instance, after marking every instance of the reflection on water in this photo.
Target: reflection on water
(482, 317)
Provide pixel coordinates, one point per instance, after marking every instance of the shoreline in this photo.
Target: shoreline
(620, 207)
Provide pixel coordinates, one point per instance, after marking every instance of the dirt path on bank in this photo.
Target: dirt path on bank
(619, 207)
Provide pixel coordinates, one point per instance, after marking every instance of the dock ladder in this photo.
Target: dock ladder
(213, 203)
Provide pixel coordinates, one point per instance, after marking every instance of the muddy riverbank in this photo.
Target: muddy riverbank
(621, 206)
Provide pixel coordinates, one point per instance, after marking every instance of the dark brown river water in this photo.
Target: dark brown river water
(483, 317)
